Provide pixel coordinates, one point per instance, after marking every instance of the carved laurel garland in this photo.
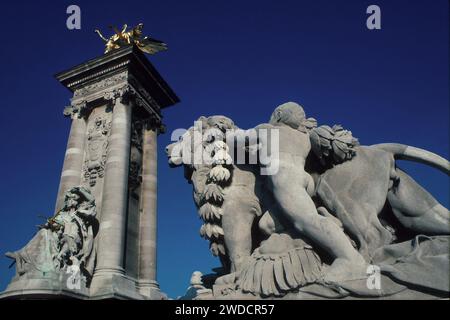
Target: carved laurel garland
(213, 196)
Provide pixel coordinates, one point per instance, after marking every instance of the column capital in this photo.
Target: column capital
(76, 110)
(154, 122)
(127, 95)
(124, 93)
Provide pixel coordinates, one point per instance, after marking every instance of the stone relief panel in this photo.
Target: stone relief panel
(99, 127)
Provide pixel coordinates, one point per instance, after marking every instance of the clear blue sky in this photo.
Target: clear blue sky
(237, 58)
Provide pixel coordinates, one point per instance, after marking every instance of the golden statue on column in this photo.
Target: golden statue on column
(133, 36)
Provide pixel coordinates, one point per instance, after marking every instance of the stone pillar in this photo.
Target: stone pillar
(73, 160)
(147, 241)
(111, 237)
(126, 80)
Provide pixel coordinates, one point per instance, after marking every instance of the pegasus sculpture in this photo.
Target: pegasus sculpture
(133, 36)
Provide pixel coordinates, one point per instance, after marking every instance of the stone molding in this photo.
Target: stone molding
(119, 86)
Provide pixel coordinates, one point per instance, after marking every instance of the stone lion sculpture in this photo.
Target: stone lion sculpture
(358, 188)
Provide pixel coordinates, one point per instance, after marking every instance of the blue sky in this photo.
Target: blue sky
(237, 58)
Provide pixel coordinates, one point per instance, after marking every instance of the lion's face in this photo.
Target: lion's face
(174, 157)
(193, 140)
(180, 150)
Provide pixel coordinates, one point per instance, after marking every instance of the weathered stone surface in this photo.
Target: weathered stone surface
(196, 290)
(116, 105)
(306, 216)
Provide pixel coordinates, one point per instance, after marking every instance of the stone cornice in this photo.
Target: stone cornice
(119, 85)
(96, 74)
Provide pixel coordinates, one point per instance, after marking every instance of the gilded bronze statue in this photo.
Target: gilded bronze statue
(124, 38)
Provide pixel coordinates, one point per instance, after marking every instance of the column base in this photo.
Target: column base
(108, 284)
(104, 285)
(150, 290)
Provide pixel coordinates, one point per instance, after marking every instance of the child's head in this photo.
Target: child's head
(289, 113)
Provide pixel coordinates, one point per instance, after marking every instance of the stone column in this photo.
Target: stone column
(111, 237)
(73, 159)
(147, 241)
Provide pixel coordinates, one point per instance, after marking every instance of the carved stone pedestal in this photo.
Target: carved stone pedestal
(112, 152)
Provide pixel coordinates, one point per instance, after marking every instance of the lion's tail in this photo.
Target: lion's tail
(405, 152)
